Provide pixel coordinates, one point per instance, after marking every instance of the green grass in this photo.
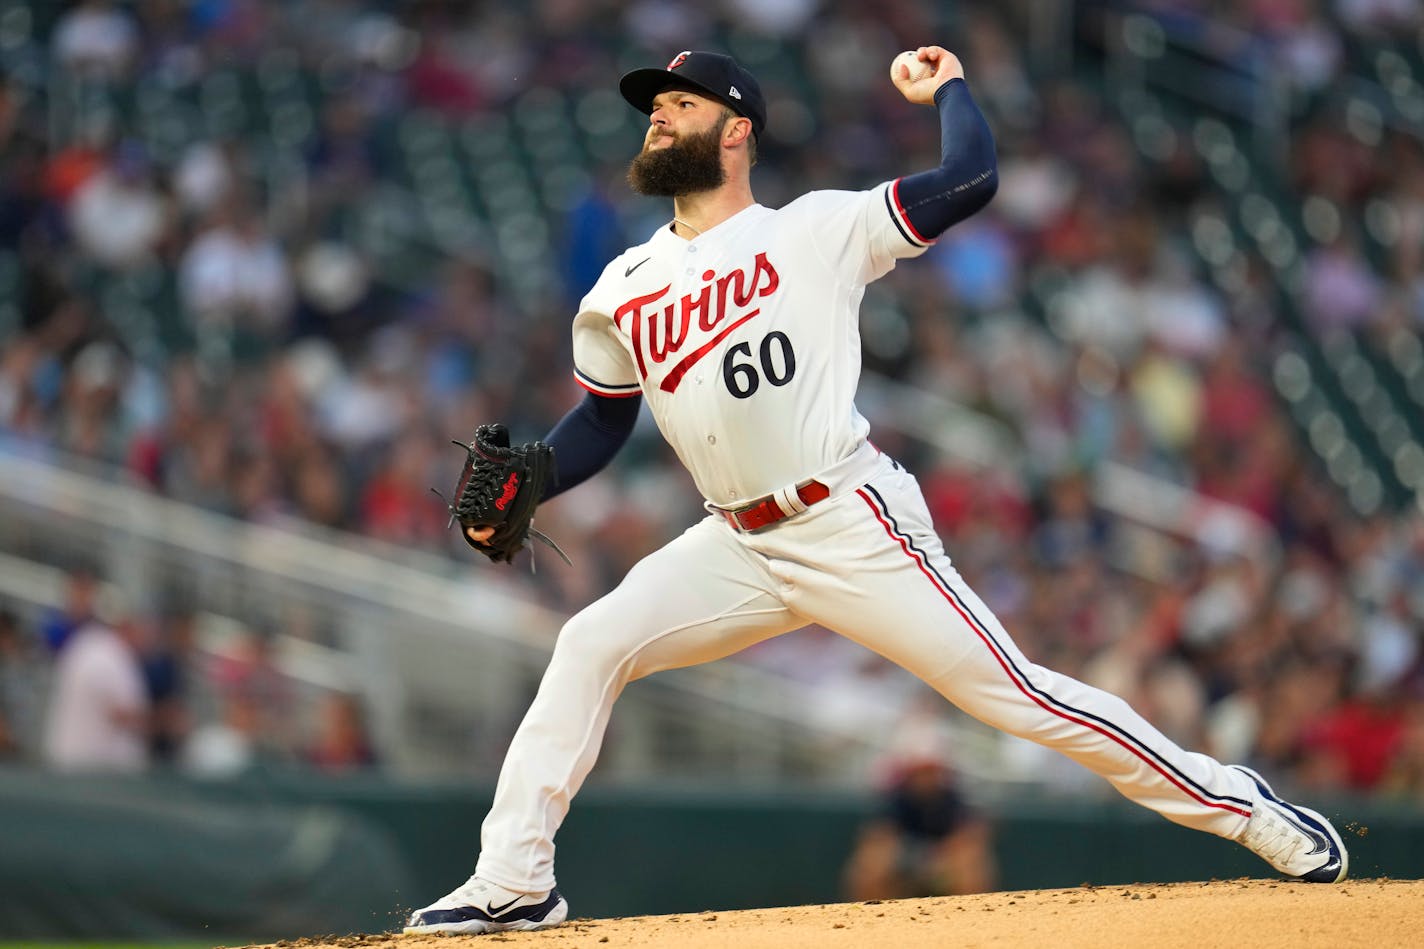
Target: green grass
(108, 945)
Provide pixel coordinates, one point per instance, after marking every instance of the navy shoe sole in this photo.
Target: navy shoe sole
(474, 920)
(1329, 872)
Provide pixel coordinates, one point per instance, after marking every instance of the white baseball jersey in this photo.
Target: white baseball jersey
(745, 339)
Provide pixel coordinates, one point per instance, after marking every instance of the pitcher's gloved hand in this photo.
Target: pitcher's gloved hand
(499, 488)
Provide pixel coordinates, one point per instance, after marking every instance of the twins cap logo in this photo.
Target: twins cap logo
(734, 93)
(679, 59)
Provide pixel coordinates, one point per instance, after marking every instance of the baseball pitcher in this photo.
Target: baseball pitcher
(737, 325)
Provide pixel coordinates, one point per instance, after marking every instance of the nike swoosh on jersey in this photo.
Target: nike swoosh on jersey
(629, 271)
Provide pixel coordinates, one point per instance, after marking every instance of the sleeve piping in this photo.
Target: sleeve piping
(608, 391)
(901, 219)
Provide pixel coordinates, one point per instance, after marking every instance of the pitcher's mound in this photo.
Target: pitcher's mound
(1260, 914)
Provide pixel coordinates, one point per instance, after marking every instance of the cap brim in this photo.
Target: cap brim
(640, 85)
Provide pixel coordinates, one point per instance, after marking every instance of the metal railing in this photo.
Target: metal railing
(444, 655)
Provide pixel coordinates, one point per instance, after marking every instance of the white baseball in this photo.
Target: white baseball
(918, 70)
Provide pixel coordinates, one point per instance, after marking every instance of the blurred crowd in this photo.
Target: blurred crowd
(100, 684)
(332, 388)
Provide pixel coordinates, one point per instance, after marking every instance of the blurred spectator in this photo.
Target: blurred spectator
(1405, 777)
(197, 469)
(228, 746)
(1352, 744)
(1307, 46)
(593, 237)
(319, 489)
(343, 156)
(398, 505)
(978, 263)
(248, 680)
(81, 590)
(235, 274)
(98, 717)
(1168, 395)
(1236, 405)
(1181, 313)
(1341, 292)
(96, 39)
(118, 216)
(168, 672)
(205, 177)
(12, 103)
(341, 742)
(91, 428)
(1380, 17)
(782, 18)
(1070, 530)
(1035, 186)
(334, 285)
(927, 841)
(24, 213)
(441, 78)
(1000, 80)
(23, 677)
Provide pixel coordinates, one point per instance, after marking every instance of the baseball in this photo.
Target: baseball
(918, 70)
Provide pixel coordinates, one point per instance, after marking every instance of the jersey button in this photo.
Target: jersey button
(711, 439)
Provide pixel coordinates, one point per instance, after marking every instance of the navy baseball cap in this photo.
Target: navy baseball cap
(719, 76)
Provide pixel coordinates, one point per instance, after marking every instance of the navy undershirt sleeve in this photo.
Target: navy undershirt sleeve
(586, 439)
(968, 174)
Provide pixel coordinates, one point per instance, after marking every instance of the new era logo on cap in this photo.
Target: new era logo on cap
(715, 74)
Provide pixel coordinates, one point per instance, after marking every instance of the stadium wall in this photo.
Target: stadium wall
(282, 856)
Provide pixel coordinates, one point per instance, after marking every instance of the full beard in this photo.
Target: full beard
(691, 164)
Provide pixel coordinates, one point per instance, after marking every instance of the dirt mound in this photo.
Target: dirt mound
(1372, 914)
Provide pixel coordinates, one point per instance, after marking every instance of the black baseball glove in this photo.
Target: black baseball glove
(499, 487)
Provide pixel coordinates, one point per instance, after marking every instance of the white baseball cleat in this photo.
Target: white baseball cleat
(479, 906)
(1295, 840)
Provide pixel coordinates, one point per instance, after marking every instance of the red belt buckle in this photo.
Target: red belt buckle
(765, 512)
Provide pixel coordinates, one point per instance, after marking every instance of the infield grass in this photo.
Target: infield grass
(113, 945)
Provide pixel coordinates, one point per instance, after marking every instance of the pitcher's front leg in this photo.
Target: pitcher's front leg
(700, 598)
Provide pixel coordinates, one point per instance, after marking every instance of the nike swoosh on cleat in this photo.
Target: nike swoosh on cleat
(496, 910)
(1319, 842)
(629, 271)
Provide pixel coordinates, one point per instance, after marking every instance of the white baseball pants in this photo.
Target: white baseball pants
(866, 563)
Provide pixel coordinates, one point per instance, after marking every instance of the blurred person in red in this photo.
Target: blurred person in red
(1405, 776)
(248, 672)
(71, 164)
(397, 504)
(341, 742)
(99, 708)
(1354, 743)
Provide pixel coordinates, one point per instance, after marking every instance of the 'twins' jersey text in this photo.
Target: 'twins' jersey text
(745, 340)
(658, 331)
